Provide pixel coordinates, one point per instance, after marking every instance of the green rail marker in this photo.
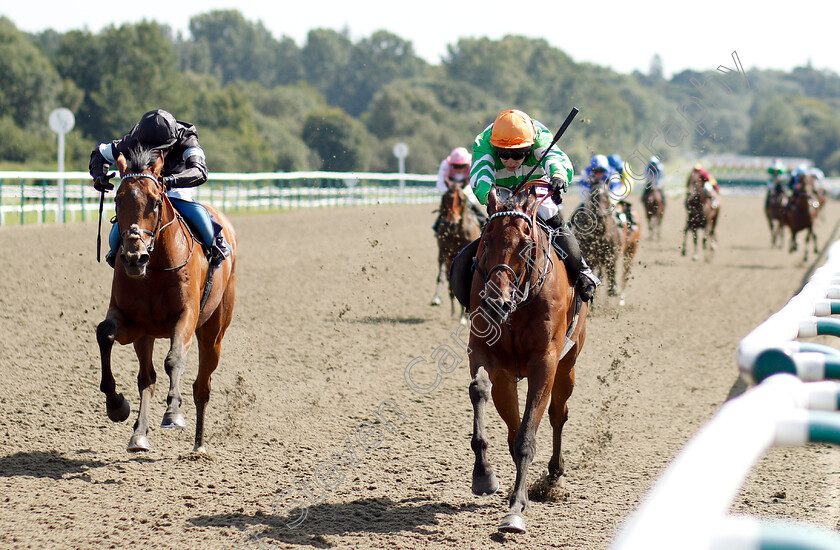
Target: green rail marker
(824, 427)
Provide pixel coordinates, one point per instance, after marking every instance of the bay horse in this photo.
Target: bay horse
(654, 204)
(700, 215)
(800, 214)
(774, 210)
(457, 228)
(526, 322)
(157, 288)
(603, 241)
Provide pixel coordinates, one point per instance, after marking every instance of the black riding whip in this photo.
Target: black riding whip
(572, 114)
(99, 233)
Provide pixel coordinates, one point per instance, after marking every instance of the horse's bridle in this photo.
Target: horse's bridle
(523, 291)
(150, 245)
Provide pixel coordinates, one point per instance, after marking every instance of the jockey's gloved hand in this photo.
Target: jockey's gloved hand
(167, 181)
(558, 187)
(102, 182)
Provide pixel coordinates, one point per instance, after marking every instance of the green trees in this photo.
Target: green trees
(263, 103)
(30, 82)
(798, 126)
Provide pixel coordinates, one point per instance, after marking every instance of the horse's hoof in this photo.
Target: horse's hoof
(694, 258)
(138, 443)
(121, 411)
(200, 450)
(173, 420)
(486, 485)
(621, 301)
(435, 302)
(512, 523)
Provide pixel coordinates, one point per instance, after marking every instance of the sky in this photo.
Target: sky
(621, 35)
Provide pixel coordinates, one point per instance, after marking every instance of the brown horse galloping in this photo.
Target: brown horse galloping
(800, 214)
(774, 210)
(527, 322)
(654, 209)
(602, 240)
(156, 293)
(457, 228)
(700, 215)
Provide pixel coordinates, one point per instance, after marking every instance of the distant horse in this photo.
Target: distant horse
(800, 214)
(700, 215)
(774, 208)
(526, 322)
(654, 209)
(602, 240)
(457, 228)
(156, 292)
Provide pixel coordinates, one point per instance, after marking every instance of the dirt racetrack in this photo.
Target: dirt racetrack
(332, 305)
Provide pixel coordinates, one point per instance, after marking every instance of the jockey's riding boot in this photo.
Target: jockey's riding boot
(436, 225)
(558, 225)
(587, 281)
(219, 251)
(567, 247)
(113, 244)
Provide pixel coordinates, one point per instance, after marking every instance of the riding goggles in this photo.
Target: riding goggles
(515, 154)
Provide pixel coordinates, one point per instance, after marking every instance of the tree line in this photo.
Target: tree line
(262, 103)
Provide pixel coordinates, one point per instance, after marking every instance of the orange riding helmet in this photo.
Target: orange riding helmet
(512, 129)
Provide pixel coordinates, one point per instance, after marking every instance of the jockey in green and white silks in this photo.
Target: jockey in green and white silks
(184, 168)
(488, 169)
(503, 154)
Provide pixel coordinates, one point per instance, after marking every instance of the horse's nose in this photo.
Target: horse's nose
(497, 307)
(137, 258)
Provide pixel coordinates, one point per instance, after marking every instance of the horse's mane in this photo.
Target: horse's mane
(140, 158)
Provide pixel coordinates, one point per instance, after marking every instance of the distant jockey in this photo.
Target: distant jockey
(454, 170)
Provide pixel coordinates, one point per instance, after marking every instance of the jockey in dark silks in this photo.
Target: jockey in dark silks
(183, 168)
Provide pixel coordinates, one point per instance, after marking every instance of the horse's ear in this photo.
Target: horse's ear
(158, 166)
(122, 166)
(528, 201)
(492, 201)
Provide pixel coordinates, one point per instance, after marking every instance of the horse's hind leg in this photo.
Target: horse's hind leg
(439, 289)
(144, 347)
(209, 337)
(106, 332)
(558, 413)
(484, 480)
(175, 365)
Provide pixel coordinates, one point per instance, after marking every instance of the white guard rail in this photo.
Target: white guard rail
(39, 197)
(688, 507)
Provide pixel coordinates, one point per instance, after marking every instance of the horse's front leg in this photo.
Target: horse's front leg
(144, 348)
(685, 238)
(694, 237)
(540, 382)
(106, 333)
(175, 365)
(484, 480)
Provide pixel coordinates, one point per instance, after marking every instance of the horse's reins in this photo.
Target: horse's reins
(150, 246)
